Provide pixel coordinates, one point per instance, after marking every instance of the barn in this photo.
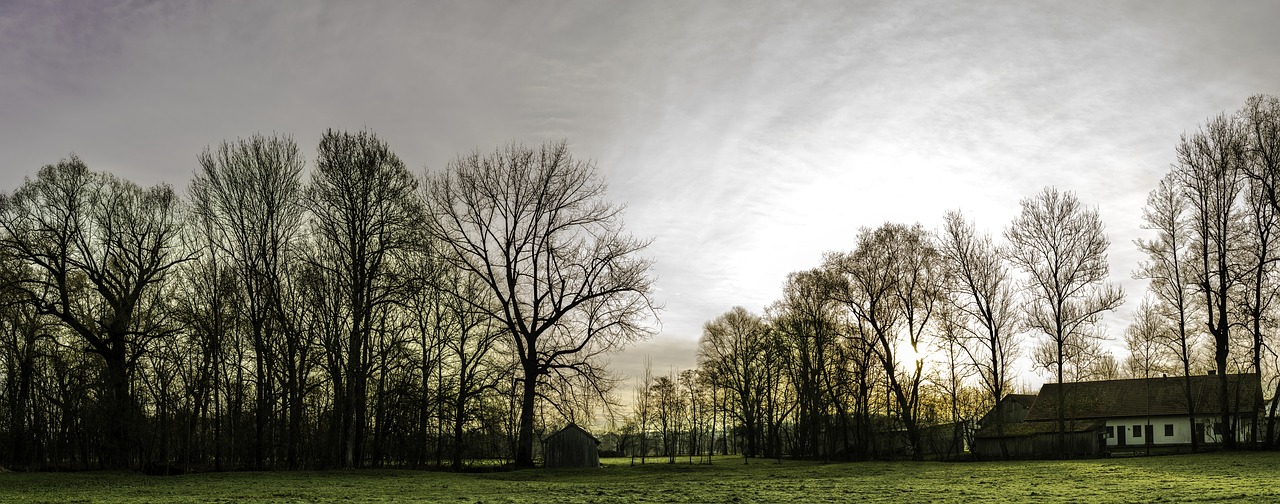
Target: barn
(1152, 413)
(571, 446)
(1125, 416)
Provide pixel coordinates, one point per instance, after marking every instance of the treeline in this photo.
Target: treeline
(349, 313)
(346, 315)
(897, 347)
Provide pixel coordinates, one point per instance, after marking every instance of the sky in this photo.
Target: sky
(745, 138)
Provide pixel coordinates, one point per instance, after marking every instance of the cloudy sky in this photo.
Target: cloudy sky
(746, 138)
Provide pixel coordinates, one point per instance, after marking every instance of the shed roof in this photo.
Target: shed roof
(1129, 398)
(571, 429)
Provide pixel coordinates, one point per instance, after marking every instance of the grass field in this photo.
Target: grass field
(1218, 477)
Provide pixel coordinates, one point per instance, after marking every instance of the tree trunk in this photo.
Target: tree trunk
(524, 440)
(1271, 419)
(458, 423)
(120, 411)
(1227, 431)
(19, 406)
(1062, 406)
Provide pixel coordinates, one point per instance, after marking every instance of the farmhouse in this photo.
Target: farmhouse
(571, 446)
(1122, 415)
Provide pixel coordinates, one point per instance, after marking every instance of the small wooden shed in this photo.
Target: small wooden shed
(571, 446)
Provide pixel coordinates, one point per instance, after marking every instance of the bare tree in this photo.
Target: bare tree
(857, 378)
(1210, 169)
(1260, 289)
(691, 388)
(1061, 247)
(733, 350)
(669, 403)
(804, 321)
(429, 308)
(1260, 124)
(99, 247)
(982, 292)
(1169, 272)
(953, 373)
(569, 284)
(1145, 339)
(364, 205)
(247, 200)
(25, 336)
(1261, 118)
(643, 405)
(892, 283)
(470, 351)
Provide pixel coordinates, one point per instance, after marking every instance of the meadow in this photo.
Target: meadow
(1215, 477)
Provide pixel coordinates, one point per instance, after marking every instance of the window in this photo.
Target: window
(1168, 430)
(1111, 432)
(1137, 431)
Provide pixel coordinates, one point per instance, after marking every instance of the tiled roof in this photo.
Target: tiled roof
(1031, 428)
(1129, 398)
(1026, 400)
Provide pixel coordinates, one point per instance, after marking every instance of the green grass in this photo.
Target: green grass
(1218, 477)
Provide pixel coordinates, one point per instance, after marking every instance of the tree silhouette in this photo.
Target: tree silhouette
(569, 284)
(100, 247)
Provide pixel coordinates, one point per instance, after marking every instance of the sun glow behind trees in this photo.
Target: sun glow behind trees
(1210, 260)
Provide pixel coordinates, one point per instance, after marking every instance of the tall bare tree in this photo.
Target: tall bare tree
(982, 292)
(569, 284)
(247, 199)
(1168, 269)
(1062, 248)
(1210, 168)
(691, 388)
(203, 304)
(1257, 298)
(100, 247)
(364, 206)
(1261, 118)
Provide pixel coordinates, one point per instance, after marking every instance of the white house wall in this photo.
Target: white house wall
(1181, 430)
